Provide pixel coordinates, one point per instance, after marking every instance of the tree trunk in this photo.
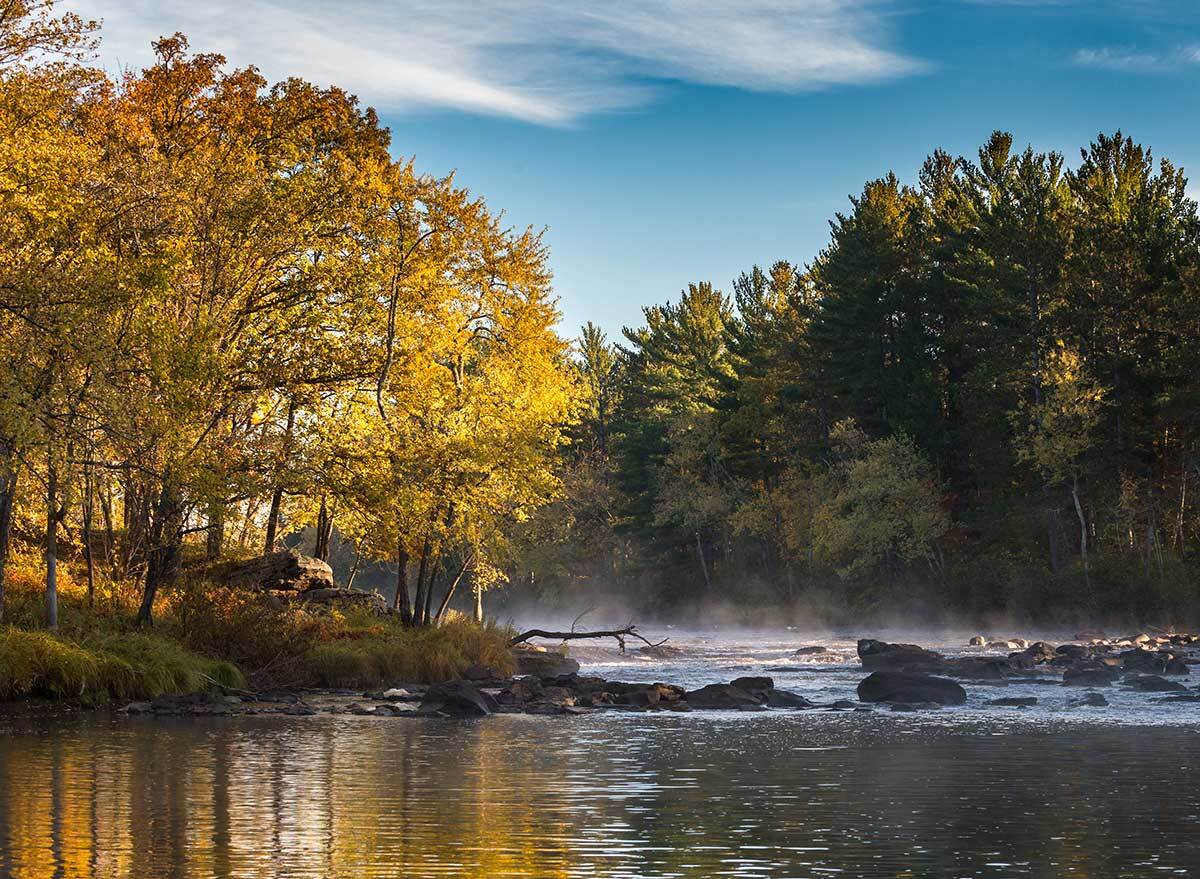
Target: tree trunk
(477, 588)
(441, 611)
(400, 599)
(87, 536)
(422, 567)
(324, 532)
(51, 546)
(215, 543)
(703, 564)
(434, 570)
(273, 520)
(277, 494)
(162, 563)
(354, 567)
(8, 491)
(1083, 541)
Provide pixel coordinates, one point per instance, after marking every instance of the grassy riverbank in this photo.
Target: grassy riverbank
(210, 637)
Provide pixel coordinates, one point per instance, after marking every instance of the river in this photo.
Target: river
(973, 791)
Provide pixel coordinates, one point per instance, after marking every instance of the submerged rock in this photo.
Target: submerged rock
(895, 686)
(1089, 700)
(1014, 701)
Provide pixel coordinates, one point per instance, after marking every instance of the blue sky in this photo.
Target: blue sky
(668, 141)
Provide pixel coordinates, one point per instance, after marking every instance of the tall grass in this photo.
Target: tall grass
(119, 666)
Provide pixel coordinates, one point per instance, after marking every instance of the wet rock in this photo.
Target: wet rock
(913, 706)
(1090, 676)
(543, 664)
(1014, 701)
(300, 710)
(458, 699)
(977, 641)
(721, 696)
(842, 705)
(1146, 661)
(1089, 700)
(1152, 684)
(878, 655)
(787, 699)
(894, 686)
(1038, 653)
(1192, 699)
(753, 685)
(1176, 665)
(138, 708)
(811, 651)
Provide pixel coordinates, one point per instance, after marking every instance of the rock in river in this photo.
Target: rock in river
(722, 696)
(457, 699)
(895, 686)
(543, 663)
(882, 655)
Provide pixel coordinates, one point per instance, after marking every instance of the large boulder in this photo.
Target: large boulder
(897, 686)
(882, 655)
(723, 696)
(458, 699)
(543, 663)
(282, 571)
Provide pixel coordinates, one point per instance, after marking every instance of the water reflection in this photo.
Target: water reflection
(615, 796)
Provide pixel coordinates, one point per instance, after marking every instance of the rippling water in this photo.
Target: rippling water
(963, 792)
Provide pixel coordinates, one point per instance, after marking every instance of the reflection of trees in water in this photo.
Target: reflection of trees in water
(559, 797)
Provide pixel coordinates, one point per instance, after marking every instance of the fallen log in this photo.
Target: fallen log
(629, 631)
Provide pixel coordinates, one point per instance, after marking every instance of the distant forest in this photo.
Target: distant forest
(980, 398)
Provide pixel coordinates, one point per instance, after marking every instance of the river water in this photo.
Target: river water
(973, 791)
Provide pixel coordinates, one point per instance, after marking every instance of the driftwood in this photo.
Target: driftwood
(629, 631)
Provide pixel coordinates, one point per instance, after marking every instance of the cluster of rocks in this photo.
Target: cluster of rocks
(907, 673)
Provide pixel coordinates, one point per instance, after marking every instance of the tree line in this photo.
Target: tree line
(980, 396)
(228, 312)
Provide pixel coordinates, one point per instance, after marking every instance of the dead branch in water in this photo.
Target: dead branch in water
(629, 631)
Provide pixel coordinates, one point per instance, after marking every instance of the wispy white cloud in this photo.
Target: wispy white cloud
(544, 61)
(1137, 61)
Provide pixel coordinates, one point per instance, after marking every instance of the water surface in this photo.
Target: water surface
(962, 792)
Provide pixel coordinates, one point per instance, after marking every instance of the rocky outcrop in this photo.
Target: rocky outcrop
(282, 571)
(908, 687)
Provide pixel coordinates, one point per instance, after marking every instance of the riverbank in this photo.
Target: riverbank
(217, 639)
